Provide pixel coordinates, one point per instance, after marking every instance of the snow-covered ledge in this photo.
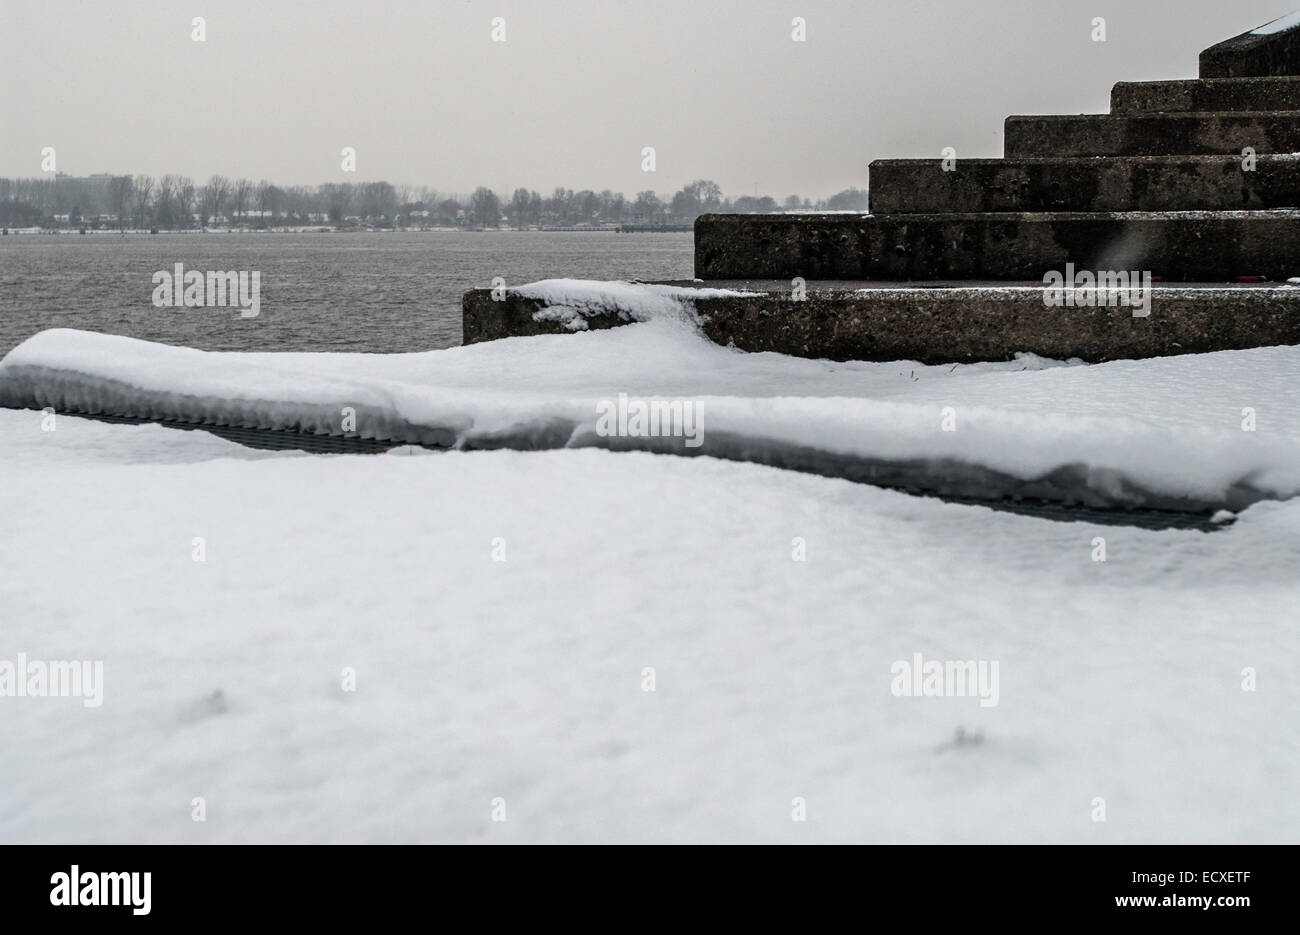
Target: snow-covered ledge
(1169, 433)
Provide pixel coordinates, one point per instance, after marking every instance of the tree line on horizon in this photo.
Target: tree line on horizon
(175, 202)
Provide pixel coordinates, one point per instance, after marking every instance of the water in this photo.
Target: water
(375, 292)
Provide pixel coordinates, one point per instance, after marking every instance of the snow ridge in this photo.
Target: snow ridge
(1163, 433)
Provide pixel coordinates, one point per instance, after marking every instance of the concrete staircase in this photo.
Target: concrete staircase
(1196, 182)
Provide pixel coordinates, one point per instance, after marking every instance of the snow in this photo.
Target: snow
(1165, 433)
(1281, 24)
(572, 301)
(522, 679)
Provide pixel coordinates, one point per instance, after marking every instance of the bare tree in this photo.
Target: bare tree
(186, 199)
(243, 190)
(448, 212)
(119, 193)
(518, 209)
(337, 200)
(405, 195)
(851, 199)
(485, 207)
(648, 206)
(262, 191)
(167, 187)
(274, 198)
(143, 195)
(216, 192)
(558, 205)
(585, 204)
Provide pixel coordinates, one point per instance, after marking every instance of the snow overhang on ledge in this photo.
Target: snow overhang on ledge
(1162, 434)
(844, 320)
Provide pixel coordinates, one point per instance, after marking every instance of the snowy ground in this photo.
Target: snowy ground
(524, 680)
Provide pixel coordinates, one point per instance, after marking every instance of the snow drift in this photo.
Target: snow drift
(1198, 432)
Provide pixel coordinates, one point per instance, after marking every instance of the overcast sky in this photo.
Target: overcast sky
(577, 89)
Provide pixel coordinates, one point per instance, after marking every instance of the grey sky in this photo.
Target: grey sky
(575, 91)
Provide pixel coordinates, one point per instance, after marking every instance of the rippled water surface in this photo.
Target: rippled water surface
(377, 292)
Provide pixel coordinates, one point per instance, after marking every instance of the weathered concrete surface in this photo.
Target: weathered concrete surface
(1227, 94)
(484, 318)
(952, 323)
(1276, 53)
(1183, 247)
(1158, 186)
(1151, 134)
(1119, 183)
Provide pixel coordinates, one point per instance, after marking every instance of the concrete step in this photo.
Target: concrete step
(1179, 247)
(1271, 49)
(948, 323)
(1119, 183)
(1151, 134)
(1204, 95)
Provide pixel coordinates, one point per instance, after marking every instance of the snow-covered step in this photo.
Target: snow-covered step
(1121, 183)
(1192, 433)
(899, 321)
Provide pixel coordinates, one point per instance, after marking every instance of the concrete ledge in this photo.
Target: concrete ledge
(1228, 94)
(1189, 134)
(486, 319)
(1180, 247)
(949, 323)
(1119, 183)
(1255, 53)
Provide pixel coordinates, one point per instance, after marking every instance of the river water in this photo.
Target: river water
(380, 292)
